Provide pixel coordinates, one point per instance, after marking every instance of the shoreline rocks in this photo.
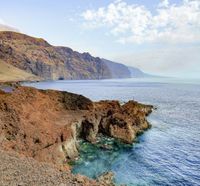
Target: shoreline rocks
(46, 124)
(122, 122)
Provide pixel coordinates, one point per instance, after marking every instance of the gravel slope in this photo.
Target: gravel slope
(21, 171)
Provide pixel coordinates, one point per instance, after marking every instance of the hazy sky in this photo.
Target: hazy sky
(159, 37)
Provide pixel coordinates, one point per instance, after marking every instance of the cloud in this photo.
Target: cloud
(132, 23)
(163, 3)
(4, 27)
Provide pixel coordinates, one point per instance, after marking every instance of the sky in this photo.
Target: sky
(160, 37)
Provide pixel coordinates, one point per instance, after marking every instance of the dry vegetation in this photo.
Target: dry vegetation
(10, 73)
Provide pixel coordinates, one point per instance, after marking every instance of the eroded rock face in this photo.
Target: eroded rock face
(36, 56)
(121, 122)
(38, 123)
(45, 124)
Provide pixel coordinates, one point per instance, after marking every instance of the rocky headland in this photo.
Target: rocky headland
(46, 125)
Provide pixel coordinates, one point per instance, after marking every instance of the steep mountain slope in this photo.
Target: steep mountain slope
(137, 73)
(117, 70)
(11, 73)
(36, 56)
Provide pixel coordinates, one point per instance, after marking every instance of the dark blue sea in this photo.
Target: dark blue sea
(166, 154)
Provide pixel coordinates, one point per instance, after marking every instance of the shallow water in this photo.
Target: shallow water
(7, 89)
(168, 153)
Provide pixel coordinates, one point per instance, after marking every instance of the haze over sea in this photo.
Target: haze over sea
(168, 153)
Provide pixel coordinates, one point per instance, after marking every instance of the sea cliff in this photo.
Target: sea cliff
(24, 58)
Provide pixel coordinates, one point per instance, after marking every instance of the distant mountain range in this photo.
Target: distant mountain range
(36, 57)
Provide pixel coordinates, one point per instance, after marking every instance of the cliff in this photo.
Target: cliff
(137, 73)
(117, 70)
(38, 57)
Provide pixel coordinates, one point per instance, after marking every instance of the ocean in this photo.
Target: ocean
(168, 154)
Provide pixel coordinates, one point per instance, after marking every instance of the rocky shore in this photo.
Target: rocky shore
(16, 170)
(45, 126)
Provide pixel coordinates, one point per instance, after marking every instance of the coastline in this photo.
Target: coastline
(92, 118)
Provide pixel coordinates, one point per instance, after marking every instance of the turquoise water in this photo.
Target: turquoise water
(168, 153)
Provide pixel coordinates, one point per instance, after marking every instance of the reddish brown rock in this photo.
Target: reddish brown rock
(45, 124)
(107, 179)
(37, 57)
(23, 171)
(121, 122)
(38, 123)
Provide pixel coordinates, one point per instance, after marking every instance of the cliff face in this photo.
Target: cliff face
(117, 70)
(46, 125)
(36, 56)
(39, 123)
(137, 73)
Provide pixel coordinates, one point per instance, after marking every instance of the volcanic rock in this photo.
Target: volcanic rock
(47, 124)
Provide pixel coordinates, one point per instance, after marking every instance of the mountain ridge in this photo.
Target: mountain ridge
(36, 56)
